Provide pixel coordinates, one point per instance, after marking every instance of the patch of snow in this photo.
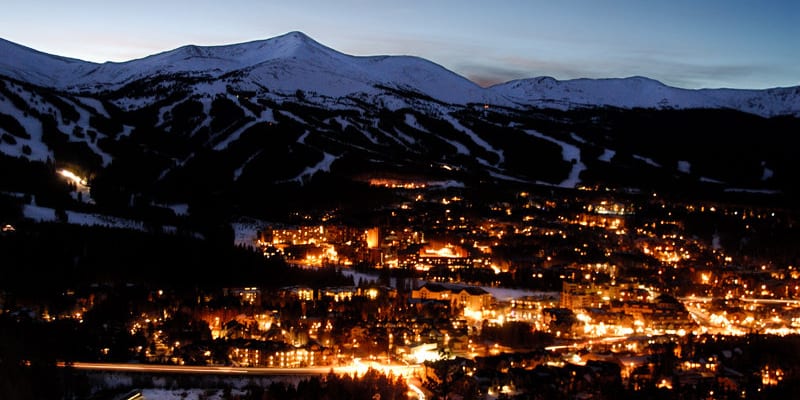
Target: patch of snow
(648, 161)
(570, 153)
(33, 127)
(292, 116)
(302, 138)
(134, 103)
(245, 232)
(190, 394)
(498, 175)
(507, 294)
(46, 214)
(685, 167)
(83, 121)
(577, 138)
(95, 104)
(234, 136)
(411, 121)
(460, 148)
(446, 184)
(475, 138)
(126, 131)
(403, 136)
(607, 155)
(709, 180)
(162, 112)
(343, 122)
(324, 165)
(394, 138)
(180, 209)
(238, 172)
(755, 191)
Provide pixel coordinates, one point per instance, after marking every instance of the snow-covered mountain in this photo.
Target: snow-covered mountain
(294, 61)
(640, 92)
(286, 63)
(242, 120)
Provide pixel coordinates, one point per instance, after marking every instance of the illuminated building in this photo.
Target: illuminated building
(248, 295)
(473, 298)
(448, 256)
(253, 353)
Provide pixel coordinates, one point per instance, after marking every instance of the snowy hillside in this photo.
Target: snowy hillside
(640, 92)
(294, 61)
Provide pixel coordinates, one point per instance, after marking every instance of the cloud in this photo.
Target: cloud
(510, 68)
(689, 74)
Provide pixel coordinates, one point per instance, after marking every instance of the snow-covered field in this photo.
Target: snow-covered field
(46, 214)
(188, 394)
(501, 294)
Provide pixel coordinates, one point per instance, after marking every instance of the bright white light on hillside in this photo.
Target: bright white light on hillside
(73, 177)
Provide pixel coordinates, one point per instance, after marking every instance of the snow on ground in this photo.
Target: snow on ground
(46, 214)
(756, 191)
(446, 184)
(292, 116)
(83, 120)
(33, 127)
(324, 165)
(403, 136)
(126, 131)
(498, 175)
(475, 138)
(710, 180)
(460, 148)
(180, 209)
(607, 155)
(570, 153)
(162, 112)
(302, 138)
(411, 121)
(95, 104)
(222, 145)
(238, 172)
(134, 103)
(343, 122)
(508, 294)
(246, 230)
(394, 138)
(499, 293)
(369, 135)
(189, 394)
(684, 166)
(577, 138)
(648, 161)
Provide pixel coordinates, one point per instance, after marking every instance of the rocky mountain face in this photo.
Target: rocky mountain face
(288, 119)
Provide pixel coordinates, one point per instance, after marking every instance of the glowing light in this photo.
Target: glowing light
(73, 177)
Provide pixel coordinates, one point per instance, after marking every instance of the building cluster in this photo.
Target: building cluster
(573, 290)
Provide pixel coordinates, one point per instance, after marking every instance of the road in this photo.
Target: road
(211, 370)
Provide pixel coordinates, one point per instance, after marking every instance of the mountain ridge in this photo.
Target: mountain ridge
(295, 61)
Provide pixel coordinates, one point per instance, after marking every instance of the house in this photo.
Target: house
(470, 297)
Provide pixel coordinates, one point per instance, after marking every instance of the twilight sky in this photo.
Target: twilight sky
(684, 43)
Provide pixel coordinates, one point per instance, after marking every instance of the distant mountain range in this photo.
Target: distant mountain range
(295, 61)
(283, 112)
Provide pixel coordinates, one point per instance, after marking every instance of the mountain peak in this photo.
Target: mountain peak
(295, 61)
(296, 36)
